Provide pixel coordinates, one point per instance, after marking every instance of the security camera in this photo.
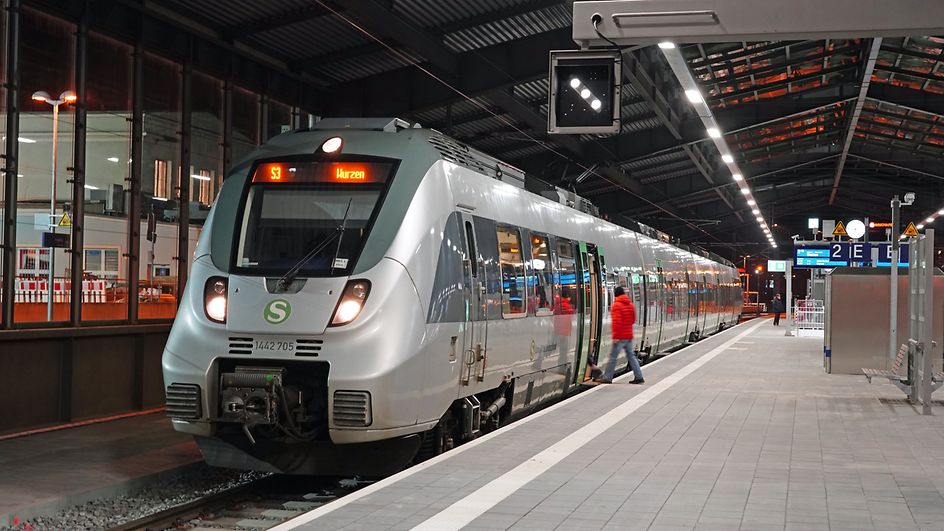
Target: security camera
(795, 236)
(909, 198)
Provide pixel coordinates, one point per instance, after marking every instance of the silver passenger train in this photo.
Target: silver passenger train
(366, 295)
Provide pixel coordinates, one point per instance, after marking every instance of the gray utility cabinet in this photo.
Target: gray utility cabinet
(856, 334)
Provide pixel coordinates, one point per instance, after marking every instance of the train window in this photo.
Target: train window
(567, 278)
(487, 248)
(512, 272)
(470, 239)
(543, 275)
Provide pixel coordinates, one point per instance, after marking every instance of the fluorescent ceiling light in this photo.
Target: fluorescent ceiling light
(737, 177)
(693, 96)
(713, 132)
(160, 198)
(755, 211)
(751, 202)
(941, 212)
(727, 158)
(25, 140)
(745, 191)
(667, 45)
(90, 187)
(201, 177)
(929, 220)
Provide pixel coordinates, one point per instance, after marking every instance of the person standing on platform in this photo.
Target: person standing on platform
(776, 306)
(623, 315)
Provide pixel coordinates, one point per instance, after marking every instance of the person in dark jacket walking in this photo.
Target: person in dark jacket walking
(776, 306)
(623, 315)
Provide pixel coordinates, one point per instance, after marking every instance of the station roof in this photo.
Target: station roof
(477, 70)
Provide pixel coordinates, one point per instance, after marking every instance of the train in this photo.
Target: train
(367, 294)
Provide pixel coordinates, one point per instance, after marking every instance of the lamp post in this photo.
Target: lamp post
(66, 97)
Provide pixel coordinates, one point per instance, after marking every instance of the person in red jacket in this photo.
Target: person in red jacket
(623, 315)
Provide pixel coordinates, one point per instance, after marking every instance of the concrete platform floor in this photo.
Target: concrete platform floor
(743, 430)
(43, 473)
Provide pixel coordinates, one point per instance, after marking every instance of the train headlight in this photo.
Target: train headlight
(332, 145)
(351, 303)
(214, 299)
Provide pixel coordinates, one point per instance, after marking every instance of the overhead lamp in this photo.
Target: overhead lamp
(90, 187)
(929, 220)
(751, 202)
(694, 96)
(667, 45)
(113, 159)
(40, 95)
(200, 177)
(714, 132)
(920, 226)
(727, 158)
(940, 212)
(755, 211)
(24, 140)
(737, 177)
(745, 191)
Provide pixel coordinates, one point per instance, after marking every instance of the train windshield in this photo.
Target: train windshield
(306, 220)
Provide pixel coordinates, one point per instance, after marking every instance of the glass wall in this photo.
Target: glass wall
(245, 123)
(44, 202)
(47, 63)
(206, 170)
(105, 289)
(279, 119)
(157, 297)
(3, 124)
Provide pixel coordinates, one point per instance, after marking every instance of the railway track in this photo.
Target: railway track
(261, 504)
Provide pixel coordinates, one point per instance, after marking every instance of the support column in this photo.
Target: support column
(11, 163)
(78, 168)
(227, 123)
(134, 182)
(186, 127)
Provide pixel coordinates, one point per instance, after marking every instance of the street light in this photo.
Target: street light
(66, 97)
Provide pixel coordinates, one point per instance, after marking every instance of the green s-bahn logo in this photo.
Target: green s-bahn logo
(277, 311)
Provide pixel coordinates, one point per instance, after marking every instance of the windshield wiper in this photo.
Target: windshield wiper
(290, 275)
(337, 250)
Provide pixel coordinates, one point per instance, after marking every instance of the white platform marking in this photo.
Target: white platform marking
(464, 511)
(370, 489)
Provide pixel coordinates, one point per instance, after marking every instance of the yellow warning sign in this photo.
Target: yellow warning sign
(65, 220)
(840, 229)
(911, 231)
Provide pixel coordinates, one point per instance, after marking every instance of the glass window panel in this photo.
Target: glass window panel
(512, 272)
(108, 154)
(3, 128)
(543, 275)
(157, 271)
(279, 119)
(206, 144)
(46, 64)
(245, 123)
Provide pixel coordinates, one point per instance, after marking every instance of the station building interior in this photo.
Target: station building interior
(151, 105)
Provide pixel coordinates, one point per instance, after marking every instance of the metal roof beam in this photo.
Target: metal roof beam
(497, 15)
(378, 19)
(277, 21)
(916, 100)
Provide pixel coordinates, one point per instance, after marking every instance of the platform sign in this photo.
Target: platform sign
(851, 251)
(60, 240)
(884, 257)
(777, 266)
(817, 256)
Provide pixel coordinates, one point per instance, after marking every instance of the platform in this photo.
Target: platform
(45, 472)
(743, 430)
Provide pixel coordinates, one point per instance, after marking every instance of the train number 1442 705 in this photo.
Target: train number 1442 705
(275, 346)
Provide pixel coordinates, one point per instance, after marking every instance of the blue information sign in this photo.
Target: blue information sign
(819, 256)
(859, 252)
(885, 255)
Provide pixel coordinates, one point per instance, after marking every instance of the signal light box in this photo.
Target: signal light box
(584, 91)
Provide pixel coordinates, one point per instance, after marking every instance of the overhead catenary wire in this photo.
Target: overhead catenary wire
(408, 61)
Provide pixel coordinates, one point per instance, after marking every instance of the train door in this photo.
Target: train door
(638, 295)
(476, 322)
(689, 318)
(589, 283)
(705, 301)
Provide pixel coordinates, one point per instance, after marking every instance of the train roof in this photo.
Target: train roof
(444, 147)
